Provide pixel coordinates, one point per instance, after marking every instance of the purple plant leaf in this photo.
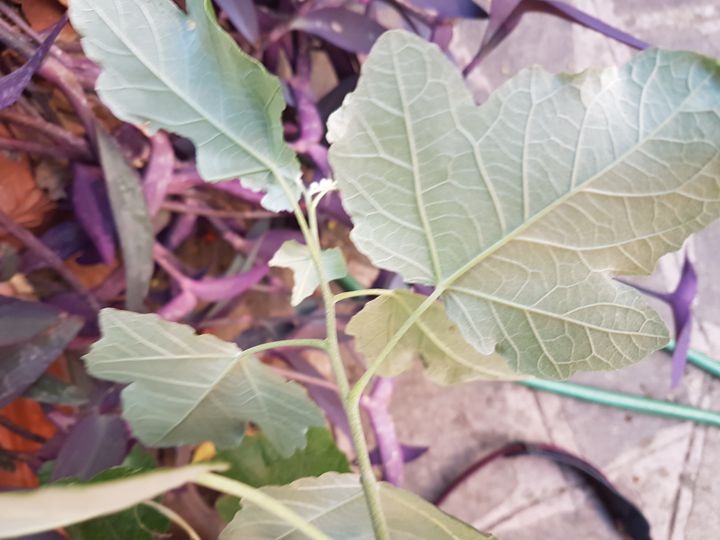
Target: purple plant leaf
(236, 189)
(343, 28)
(271, 241)
(226, 288)
(20, 321)
(64, 239)
(409, 453)
(92, 209)
(9, 262)
(452, 8)
(179, 307)
(23, 363)
(391, 455)
(13, 84)
(182, 227)
(243, 15)
(73, 303)
(680, 301)
(588, 21)
(95, 443)
(159, 172)
(506, 14)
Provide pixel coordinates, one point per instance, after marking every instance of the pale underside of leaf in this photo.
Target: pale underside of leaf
(187, 388)
(335, 504)
(445, 354)
(26, 512)
(297, 257)
(163, 69)
(131, 218)
(521, 210)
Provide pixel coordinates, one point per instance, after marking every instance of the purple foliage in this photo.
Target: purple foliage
(95, 443)
(24, 362)
(506, 14)
(680, 301)
(346, 29)
(12, 85)
(243, 15)
(20, 321)
(92, 209)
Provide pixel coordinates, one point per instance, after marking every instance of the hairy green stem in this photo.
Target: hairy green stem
(267, 503)
(352, 409)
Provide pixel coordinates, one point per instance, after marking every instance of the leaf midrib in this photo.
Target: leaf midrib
(447, 282)
(149, 66)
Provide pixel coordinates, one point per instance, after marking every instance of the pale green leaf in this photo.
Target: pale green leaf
(131, 218)
(446, 356)
(46, 508)
(167, 70)
(334, 503)
(296, 256)
(187, 388)
(521, 210)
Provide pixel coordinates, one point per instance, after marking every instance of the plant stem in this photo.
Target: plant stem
(360, 293)
(352, 409)
(173, 516)
(316, 343)
(267, 503)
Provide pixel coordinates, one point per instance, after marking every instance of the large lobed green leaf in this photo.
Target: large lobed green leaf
(521, 210)
(187, 388)
(335, 504)
(46, 508)
(167, 70)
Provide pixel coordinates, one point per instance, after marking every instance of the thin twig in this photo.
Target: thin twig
(74, 143)
(42, 149)
(32, 243)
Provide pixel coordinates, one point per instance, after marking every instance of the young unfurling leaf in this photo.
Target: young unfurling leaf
(296, 256)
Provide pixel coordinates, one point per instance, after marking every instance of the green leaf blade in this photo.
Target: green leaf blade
(163, 69)
(445, 354)
(187, 388)
(74, 503)
(522, 210)
(335, 504)
(297, 257)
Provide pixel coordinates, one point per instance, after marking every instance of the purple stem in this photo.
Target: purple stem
(391, 454)
(50, 257)
(74, 144)
(42, 149)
